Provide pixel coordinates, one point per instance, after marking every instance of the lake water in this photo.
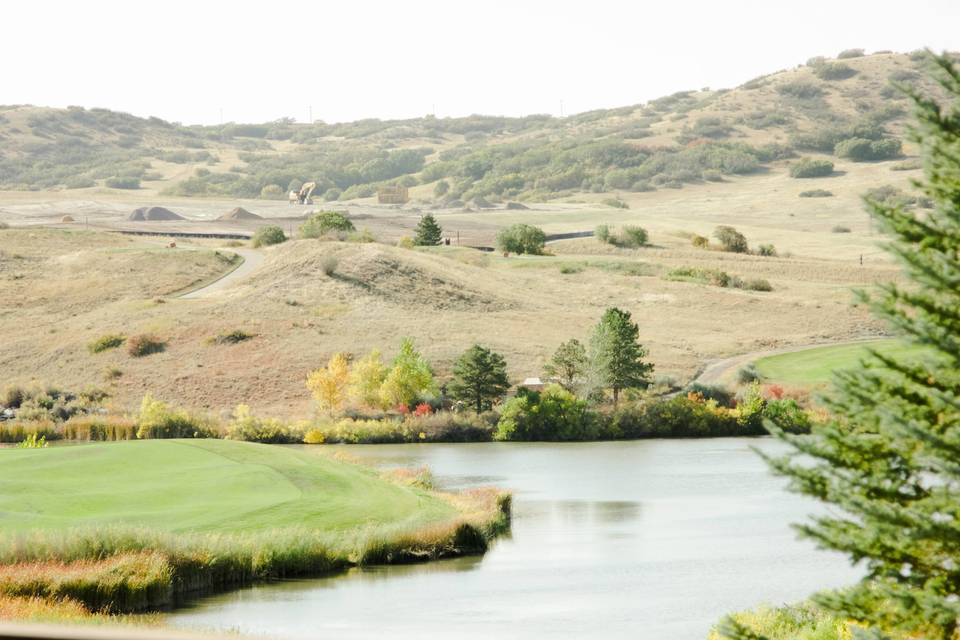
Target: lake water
(646, 539)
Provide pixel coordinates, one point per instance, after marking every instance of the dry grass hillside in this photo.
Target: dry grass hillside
(66, 289)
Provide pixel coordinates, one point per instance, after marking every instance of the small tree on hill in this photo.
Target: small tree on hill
(616, 355)
(731, 239)
(521, 238)
(366, 378)
(324, 222)
(410, 377)
(887, 464)
(428, 232)
(329, 384)
(568, 364)
(481, 378)
(441, 188)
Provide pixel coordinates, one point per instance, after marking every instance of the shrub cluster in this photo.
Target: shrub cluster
(628, 236)
(865, 150)
(269, 235)
(145, 344)
(816, 193)
(105, 342)
(811, 168)
(717, 278)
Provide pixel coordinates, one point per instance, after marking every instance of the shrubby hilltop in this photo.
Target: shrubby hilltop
(845, 107)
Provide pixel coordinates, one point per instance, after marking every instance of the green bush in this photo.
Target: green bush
(521, 238)
(553, 414)
(266, 236)
(731, 239)
(144, 345)
(816, 193)
(834, 71)
(123, 182)
(864, 150)
(840, 228)
(632, 236)
(767, 250)
(850, 53)
(802, 89)
(758, 284)
(103, 343)
(157, 420)
(245, 426)
(324, 222)
(616, 203)
(811, 168)
(602, 233)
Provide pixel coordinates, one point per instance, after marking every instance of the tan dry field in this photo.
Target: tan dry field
(63, 285)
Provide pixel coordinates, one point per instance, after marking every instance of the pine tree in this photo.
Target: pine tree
(889, 463)
(481, 378)
(616, 356)
(428, 233)
(568, 364)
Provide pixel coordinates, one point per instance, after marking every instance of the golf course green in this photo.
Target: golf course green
(201, 486)
(813, 367)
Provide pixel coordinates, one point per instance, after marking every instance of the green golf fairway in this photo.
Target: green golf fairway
(816, 366)
(200, 485)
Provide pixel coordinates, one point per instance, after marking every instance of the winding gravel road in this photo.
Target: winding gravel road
(251, 261)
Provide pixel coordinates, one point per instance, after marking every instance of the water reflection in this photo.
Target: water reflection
(621, 540)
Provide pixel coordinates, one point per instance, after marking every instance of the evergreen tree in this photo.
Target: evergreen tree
(616, 356)
(481, 378)
(428, 233)
(568, 364)
(889, 463)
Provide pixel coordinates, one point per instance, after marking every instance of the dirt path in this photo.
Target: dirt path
(724, 371)
(251, 261)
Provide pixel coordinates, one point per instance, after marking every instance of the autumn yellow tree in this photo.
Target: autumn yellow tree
(329, 384)
(366, 378)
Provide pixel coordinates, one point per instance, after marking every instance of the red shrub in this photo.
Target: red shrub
(423, 409)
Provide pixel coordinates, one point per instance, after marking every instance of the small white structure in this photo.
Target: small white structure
(534, 384)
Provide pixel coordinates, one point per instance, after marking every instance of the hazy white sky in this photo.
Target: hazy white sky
(257, 61)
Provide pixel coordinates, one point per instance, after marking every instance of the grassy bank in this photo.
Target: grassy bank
(812, 367)
(134, 526)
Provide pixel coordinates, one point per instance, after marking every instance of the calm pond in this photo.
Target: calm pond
(646, 539)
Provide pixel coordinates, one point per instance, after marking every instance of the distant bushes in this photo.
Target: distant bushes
(840, 228)
(551, 414)
(616, 203)
(123, 182)
(717, 278)
(158, 420)
(628, 236)
(834, 71)
(731, 239)
(802, 89)
(850, 53)
(811, 168)
(106, 342)
(816, 193)
(145, 344)
(269, 235)
(245, 426)
(521, 238)
(864, 150)
(326, 222)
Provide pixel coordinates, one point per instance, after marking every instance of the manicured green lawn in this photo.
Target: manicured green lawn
(200, 485)
(816, 366)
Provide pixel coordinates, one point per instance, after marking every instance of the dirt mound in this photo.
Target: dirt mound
(67, 219)
(240, 214)
(144, 214)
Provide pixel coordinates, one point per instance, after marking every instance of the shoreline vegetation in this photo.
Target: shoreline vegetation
(111, 564)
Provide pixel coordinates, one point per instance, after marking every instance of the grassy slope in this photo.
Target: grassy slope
(817, 366)
(200, 485)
